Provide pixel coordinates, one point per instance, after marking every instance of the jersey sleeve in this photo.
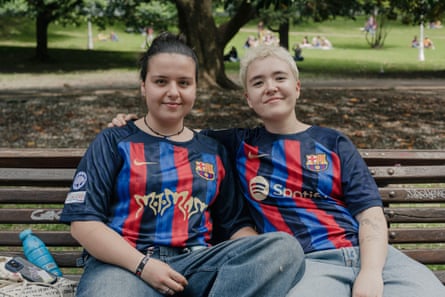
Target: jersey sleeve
(359, 187)
(92, 188)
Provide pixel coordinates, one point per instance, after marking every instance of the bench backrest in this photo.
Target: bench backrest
(34, 183)
(412, 186)
(33, 187)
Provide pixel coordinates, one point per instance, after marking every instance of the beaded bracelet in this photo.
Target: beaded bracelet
(141, 265)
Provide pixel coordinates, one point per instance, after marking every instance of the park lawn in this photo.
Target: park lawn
(350, 57)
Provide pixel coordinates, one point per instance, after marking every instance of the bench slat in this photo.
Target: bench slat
(415, 215)
(432, 194)
(412, 235)
(427, 256)
(408, 174)
(62, 258)
(40, 158)
(50, 238)
(31, 195)
(26, 176)
(384, 157)
(30, 216)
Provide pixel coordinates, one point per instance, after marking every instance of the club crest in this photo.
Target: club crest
(205, 170)
(317, 162)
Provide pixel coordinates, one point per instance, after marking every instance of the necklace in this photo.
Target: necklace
(160, 134)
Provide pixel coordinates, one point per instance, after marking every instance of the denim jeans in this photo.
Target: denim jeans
(332, 273)
(265, 265)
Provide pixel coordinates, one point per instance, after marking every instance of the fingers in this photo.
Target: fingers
(167, 292)
(176, 282)
(129, 117)
(120, 120)
(163, 278)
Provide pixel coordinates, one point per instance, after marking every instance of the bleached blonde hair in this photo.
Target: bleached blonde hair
(263, 51)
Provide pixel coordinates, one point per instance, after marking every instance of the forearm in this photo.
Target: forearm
(373, 239)
(105, 244)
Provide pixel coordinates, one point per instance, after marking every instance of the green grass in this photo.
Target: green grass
(351, 56)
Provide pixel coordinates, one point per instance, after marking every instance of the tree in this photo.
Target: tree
(209, 40)
(415, 11)
(64, 12)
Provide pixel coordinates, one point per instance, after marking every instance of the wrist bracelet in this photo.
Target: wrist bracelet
(141, 265)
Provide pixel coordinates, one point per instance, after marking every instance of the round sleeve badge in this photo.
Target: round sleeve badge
(79, 180)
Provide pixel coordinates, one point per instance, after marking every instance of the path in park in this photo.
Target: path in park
(129, 80)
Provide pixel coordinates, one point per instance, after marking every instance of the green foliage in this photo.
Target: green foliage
(160, 15)
(13, 7)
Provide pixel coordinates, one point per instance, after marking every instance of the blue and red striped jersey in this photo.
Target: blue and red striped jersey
(310, 184)
(154, 191)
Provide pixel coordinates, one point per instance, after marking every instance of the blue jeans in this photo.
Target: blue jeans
(332, 273)
(266, 265)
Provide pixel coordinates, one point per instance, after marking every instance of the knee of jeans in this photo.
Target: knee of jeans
(286, 243)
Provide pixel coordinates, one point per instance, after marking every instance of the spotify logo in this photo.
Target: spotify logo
(259, 188)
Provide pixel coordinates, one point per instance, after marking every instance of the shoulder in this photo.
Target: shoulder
(326, 134)
(207, 143)
(112, 136)
(233, 133)
(332, 140)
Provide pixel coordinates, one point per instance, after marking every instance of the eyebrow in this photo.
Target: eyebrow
(273, 74)
(157, 76)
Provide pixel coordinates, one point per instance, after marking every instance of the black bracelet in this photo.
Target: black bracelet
(141, 265)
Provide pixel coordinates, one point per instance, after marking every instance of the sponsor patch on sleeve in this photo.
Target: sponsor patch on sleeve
(79, 180)
(75, 197)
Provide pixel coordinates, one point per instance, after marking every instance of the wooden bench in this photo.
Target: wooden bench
(34, 183)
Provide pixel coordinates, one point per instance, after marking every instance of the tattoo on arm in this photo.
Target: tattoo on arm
(373, 226)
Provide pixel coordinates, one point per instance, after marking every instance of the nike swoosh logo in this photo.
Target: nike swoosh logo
(250, 155)
(139, 163)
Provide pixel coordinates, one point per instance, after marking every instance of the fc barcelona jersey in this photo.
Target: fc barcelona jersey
(310, 184)
(153, 191)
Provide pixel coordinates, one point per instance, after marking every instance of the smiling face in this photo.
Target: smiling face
(272, 89)
(169, 89)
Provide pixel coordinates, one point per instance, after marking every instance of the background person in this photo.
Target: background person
(428, 43)
(297, 53)
(232, 56)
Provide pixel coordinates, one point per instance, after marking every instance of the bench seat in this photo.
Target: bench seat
(34, 183)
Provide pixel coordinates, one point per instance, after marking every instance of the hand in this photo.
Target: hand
(163, 278)
(121, 119)
(368, 284)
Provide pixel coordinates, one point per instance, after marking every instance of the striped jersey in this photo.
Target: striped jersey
(156, 192)
(310, 184)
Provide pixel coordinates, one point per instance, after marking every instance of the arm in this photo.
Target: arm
(373, 238)
(107, 246)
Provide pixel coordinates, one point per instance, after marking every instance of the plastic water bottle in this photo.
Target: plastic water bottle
(37, 253)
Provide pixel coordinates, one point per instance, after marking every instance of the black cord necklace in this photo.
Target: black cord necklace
(160, 134)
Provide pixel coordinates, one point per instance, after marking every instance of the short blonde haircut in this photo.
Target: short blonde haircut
(261, 52)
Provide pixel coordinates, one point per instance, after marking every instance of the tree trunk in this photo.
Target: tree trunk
(197, 24)
(283, 32)
(42, 23)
